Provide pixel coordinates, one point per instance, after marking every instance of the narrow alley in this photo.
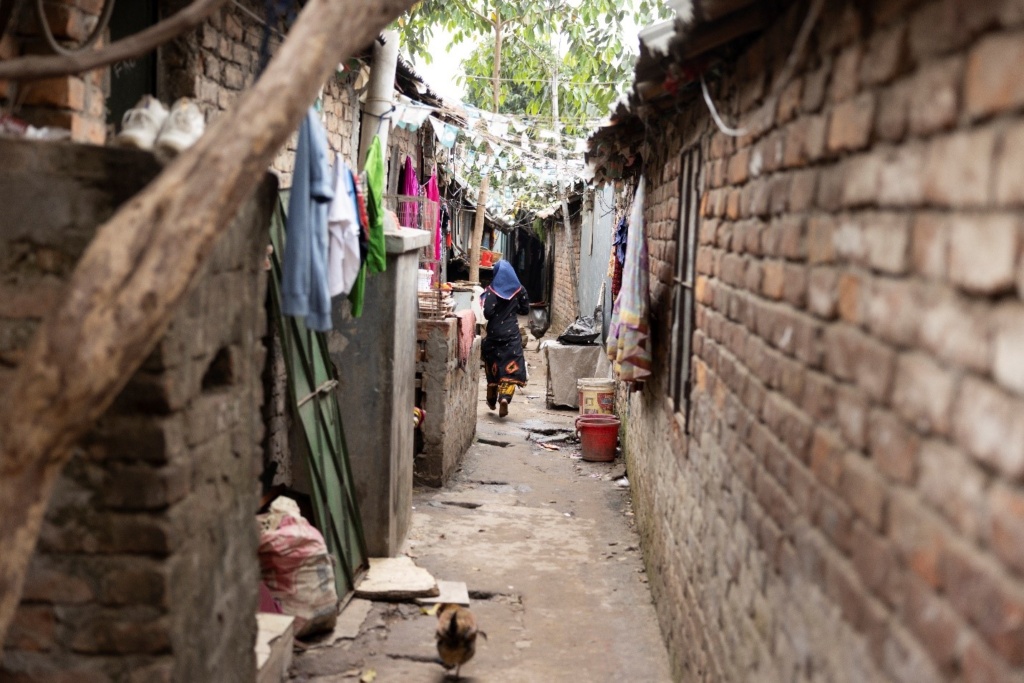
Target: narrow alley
(546, 545)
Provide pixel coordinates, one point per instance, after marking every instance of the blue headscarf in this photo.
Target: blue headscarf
(505, 283)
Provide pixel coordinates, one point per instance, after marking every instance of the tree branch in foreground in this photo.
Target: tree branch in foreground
(141, 263)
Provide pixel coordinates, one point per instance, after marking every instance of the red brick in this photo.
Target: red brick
(789, 101)
(794, 290)
(67, 93)
(864, 491)
(835, 520)
(802, 190)
(886, 55)
(959, 169)
(937, 627)
(844, 588)
(992, 83)
(873, 558)
(821, 239)
(987, 600)
(981, 665)
(826, 459)
(983, 253)
(893, 447)
(815, 85)
(844, 75)
(901, 179)
(850, 124)
(852, 415)
(953, 485)
(849, 240)
(930, 250)
(850, 288)
(1006, 532)
(987, 422)
(1009, 189)
(887, 241)
(957, 331)
(893, 310)
(771, 284)
(854, 356)
(739, 166)
(47, 583)
(33, 629)
(1008, 364)
(935, 96)
(861, 174)
(935, 29)
(918, 537)
(892, 111)
(923, 393)
(821, 292)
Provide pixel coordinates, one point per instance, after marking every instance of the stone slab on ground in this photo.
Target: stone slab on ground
(451, 592)
(274, 637)
(394, 579)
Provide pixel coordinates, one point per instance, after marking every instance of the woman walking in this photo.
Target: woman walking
(502, 349)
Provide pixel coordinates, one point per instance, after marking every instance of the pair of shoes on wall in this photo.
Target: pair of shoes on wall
(150, 126)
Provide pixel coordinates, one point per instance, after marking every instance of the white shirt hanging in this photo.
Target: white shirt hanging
(343, 233)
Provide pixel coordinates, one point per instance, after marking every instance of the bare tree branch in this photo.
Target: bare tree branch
(36, 67)
(141, 263)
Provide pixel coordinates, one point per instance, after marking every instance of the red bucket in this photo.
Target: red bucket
(599, 434)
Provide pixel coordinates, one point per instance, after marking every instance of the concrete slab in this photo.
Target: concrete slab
(395, 579)
(274, 636)
(451, 592)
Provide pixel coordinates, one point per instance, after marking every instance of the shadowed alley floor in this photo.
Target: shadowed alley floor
(546, 545)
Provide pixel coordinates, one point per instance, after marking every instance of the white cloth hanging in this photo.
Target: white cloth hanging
(343, 233)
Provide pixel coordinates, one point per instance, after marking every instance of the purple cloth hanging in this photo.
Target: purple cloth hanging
(434, 195)
(409, 212)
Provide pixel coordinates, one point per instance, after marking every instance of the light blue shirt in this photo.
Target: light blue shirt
(304, 289)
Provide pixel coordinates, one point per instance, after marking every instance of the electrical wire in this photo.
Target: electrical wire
(90, 40)
(731, 132)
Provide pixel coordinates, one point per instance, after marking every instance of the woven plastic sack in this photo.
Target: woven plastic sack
(297, 568)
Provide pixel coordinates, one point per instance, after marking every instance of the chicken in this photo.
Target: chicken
(456, 636)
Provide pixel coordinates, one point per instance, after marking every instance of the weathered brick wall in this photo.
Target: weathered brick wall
(215, 64)
(448, 394)
(146, 568)
(847, 504)
(75, 103)
(564, 308)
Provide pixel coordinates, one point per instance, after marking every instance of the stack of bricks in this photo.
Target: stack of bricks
(146, 567)
(73, 103)
(842, 498)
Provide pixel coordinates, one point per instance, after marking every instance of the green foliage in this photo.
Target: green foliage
(584, 40)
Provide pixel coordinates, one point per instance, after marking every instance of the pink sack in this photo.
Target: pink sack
(297, 568)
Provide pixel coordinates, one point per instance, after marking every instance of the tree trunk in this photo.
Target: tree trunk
(485, 182)
(142, 261)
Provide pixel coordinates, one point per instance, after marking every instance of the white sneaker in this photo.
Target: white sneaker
(184, 126)
(142, 123)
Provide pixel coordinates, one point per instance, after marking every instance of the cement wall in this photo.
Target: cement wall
(841, 499)
(146, 568)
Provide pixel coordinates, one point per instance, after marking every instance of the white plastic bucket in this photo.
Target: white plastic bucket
(423, 281)
(596, 396)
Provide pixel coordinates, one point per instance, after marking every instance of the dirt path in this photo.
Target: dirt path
(544, 542)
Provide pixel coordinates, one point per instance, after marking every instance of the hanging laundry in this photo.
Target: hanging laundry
(343, 257)
(445, 132)
(376, 258)
(627, 344)
(434, 195)
(304, 286)
(409, 212)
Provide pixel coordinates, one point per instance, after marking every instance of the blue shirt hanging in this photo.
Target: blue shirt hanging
(304, 287)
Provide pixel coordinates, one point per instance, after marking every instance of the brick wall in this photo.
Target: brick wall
(74, 103)
(847, 503)
(564, 307)
(146, 567)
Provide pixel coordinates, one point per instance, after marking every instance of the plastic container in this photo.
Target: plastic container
(599, 435)
(423, 280)
(596, 396)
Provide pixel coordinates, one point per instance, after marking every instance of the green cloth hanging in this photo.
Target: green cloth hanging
(376, 257)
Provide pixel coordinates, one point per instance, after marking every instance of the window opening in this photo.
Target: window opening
(683, 279)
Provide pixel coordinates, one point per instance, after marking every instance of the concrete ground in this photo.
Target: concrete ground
(545, 543)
